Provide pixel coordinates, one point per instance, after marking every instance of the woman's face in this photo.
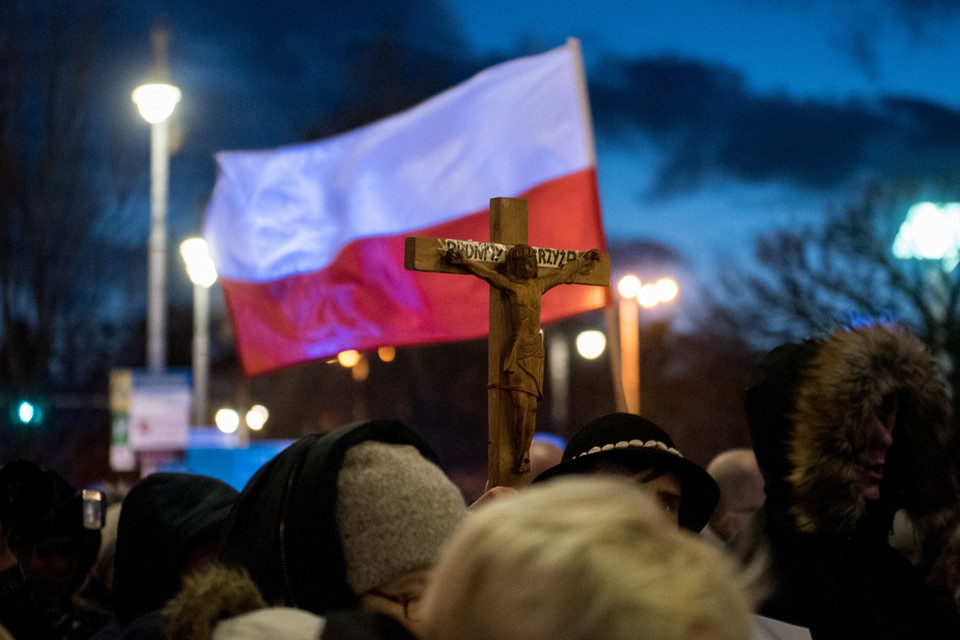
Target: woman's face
(873, 458)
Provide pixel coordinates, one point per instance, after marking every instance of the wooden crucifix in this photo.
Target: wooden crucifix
(515, 348)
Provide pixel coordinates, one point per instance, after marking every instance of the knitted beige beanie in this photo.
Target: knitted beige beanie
(395, 509)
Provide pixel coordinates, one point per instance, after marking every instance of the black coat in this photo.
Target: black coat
(829, 566)
(849, 586)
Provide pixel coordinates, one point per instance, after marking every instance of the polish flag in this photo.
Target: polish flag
(308, 240)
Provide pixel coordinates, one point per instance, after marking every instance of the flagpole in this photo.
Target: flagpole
(574, 45)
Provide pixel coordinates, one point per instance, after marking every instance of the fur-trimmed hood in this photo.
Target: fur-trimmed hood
(220, 603)
(808, 407)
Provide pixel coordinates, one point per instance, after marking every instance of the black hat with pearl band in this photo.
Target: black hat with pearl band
(630, 441)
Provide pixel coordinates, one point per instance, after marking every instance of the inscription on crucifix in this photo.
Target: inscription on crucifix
(519, 275)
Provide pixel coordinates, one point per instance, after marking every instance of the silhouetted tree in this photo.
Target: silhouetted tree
(812, 279)
(61, 280)
(56, 196)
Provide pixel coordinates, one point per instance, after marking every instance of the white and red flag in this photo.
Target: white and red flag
(308, 239)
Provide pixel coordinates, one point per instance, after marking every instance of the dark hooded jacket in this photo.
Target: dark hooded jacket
(220, 594)
(283, 530)
(164, 520)
(40, 511)
(830, 567)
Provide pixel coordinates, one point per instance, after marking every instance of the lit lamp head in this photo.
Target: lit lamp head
(663, 290)
(647, 295)
(930, 232)
(628, 286)
(156, 101)
(257, 417)
(227, 420)
(200, 266)
(590, 344)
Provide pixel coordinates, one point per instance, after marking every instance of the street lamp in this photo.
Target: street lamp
(256, 417)
(156, 102)
(203, 274)
(633, 295)
(931, 232)
(591, 343)
(628, 287)
(227, 420)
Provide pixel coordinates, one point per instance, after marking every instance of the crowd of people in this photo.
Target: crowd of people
(841, 521)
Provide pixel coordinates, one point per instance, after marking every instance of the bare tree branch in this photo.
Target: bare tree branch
(814, 279)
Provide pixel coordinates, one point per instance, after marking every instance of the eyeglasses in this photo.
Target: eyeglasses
(409, 602)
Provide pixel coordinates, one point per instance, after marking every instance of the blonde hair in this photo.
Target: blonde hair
(580, 558)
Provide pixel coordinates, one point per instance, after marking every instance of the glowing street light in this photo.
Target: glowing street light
(650, 295)
(930, 232)
(633, 293)
(628, 286)
(156, 102)
(349, 358)
(200, 266)
(666, 289)
(257, 417)
(591, 344)
(227, 420)
(26, 411)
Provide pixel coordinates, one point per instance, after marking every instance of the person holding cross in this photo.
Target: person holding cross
(523, 356)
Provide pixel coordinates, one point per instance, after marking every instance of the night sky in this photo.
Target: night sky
(715, 119)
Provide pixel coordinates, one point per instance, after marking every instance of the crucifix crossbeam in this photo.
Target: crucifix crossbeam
(515, 352)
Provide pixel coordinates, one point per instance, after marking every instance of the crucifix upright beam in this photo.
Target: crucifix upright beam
(513, 382)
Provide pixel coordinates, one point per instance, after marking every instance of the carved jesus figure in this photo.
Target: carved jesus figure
(524, 355)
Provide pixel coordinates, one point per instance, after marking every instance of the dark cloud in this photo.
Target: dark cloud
(260, 75)
(710, 127)
(264, 73)
(646, 257)
(918, 15)
(856, 25)
(915, 15)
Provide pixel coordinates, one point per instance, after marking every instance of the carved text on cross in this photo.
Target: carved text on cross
(508, 440)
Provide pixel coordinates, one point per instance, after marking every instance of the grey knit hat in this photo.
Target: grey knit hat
(395, 509)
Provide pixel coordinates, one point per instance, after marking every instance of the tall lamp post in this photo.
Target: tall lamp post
(203, 274)
(156, 102)
(633, 295)
(628, 287)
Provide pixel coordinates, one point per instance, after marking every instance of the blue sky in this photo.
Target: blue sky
(813, 48)
(802, 57)
(813, 54)
(715, 119)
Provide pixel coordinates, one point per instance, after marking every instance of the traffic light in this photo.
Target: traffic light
(26, 412)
